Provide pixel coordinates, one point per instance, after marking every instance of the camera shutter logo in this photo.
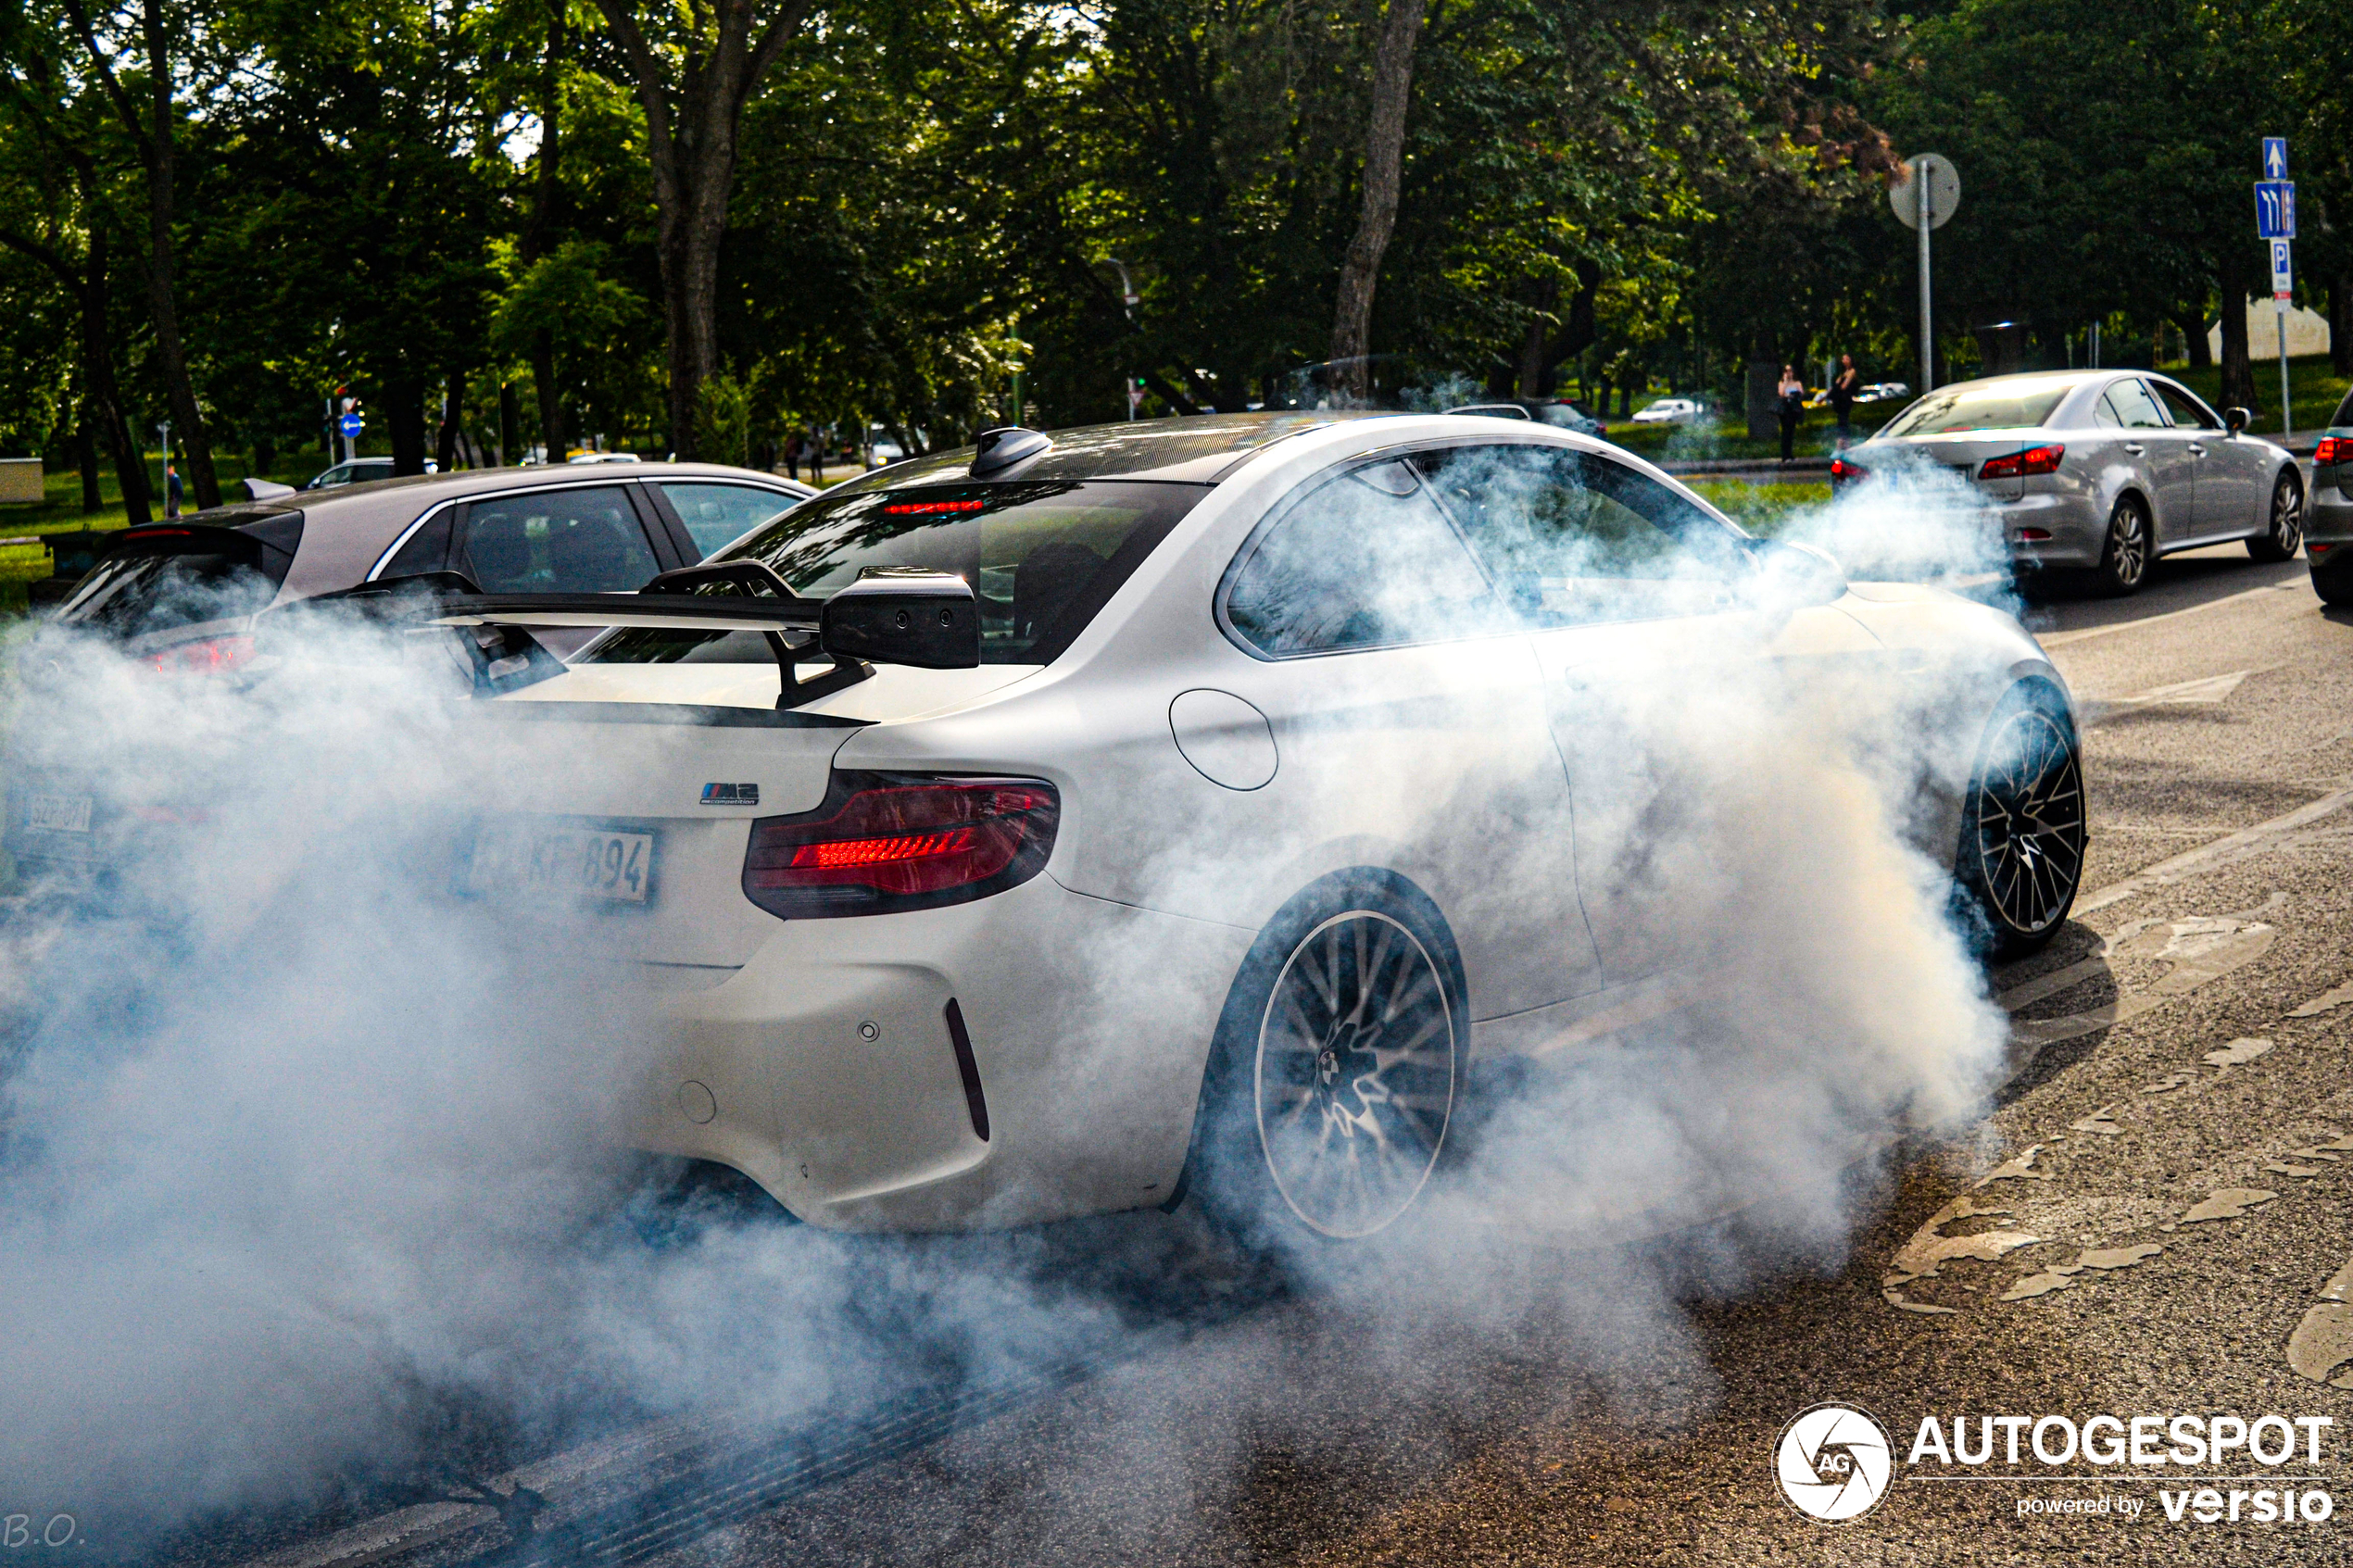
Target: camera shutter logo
(1834, 1462)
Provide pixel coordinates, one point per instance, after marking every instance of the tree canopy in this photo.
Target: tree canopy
(500, 224)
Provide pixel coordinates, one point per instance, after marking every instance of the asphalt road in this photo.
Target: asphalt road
(1623, 1437)
(2144, 1222)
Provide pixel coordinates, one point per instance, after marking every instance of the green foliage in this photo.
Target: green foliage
(723, 420)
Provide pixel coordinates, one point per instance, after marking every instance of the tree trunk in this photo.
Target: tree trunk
(2193, 330)
(551, 407)
(85, 457)
(509, 421)
(691, 143)
(1384, 159)
(153, 136)
(2239, 370)
(106, 395)
(405, 416)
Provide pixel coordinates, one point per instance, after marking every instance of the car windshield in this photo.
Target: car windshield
(1980, 406)
(2344, 415)
(1043, 557)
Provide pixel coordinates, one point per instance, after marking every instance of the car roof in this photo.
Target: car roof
(346, 528)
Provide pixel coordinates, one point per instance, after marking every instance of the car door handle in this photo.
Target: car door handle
(2134, 448)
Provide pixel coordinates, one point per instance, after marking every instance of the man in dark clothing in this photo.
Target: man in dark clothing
(170, 488)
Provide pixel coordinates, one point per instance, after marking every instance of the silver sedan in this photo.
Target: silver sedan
(2096, 473)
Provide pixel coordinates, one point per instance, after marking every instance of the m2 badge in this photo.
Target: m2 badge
(731, 795)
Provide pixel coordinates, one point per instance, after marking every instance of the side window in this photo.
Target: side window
(2187, 411)
(1570, 538)
(2135, 409)
(1362, 560)
(427, 550)
(721, 514)
(557, 542)
(2104, 413)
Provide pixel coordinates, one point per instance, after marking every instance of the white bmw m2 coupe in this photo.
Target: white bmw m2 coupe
(1060, 824)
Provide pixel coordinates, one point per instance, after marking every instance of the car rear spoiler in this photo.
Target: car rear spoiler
(891, 615)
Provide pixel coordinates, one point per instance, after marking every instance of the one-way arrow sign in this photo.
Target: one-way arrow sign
(2274, 158)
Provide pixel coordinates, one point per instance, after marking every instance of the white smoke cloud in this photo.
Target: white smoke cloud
(307, 1158)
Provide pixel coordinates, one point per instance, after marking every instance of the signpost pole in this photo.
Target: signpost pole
(1928, 322)
(2279, 309)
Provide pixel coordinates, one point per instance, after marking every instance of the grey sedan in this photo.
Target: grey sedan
(2096, 473)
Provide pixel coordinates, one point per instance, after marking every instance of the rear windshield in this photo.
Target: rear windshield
(2344, 415)
(1996, 406)
(157, 580)
(1043, 557)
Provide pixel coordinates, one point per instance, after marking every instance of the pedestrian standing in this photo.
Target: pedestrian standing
(170, 488)
(1848, 382)
(1792, 393)
(792, 456)
(816, 453)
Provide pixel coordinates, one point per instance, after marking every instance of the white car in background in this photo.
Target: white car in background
(1061, 825)
(1669, 411)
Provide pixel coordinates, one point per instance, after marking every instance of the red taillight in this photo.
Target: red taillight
(930, 508)
(2020, 465)
(1842, 471)
(2033, 535)
(2334, 449)
(211, 656)
(892, 843)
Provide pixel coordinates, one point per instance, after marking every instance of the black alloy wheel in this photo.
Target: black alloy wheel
(2285, 535)
(2124, 561)
(2022, 826)
(1339, 1066)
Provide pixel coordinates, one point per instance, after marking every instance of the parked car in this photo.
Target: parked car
(1668, 410)
(926, 962)
(2328, 528)
(1883, 391)
(1561, 413)
(505, 530)
(359, 470)
(2093, 474)
(604, 457)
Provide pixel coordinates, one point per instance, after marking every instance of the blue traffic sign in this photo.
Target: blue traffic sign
(349, 425)
(2274, 158)
(2275, 209)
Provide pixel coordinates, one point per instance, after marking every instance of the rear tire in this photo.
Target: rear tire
(2333, 583)
(2020, 859)
(1339, 1066)
(2285, 535)
(2124, 558)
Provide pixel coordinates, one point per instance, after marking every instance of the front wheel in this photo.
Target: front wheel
(2021, 858)
(1338, 1067)
(2285, 535)
(2124, 558)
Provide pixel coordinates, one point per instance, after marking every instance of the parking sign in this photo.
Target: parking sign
(2283, 271)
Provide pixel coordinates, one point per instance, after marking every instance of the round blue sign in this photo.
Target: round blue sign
(350, 424)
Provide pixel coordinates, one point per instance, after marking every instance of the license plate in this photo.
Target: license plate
(615, 867)
(57, 814)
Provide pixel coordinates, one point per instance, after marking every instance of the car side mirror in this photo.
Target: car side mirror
(903, 615)
(2236, 420)
(1793, 574)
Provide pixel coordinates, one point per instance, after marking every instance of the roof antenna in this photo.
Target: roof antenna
(999, 448)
